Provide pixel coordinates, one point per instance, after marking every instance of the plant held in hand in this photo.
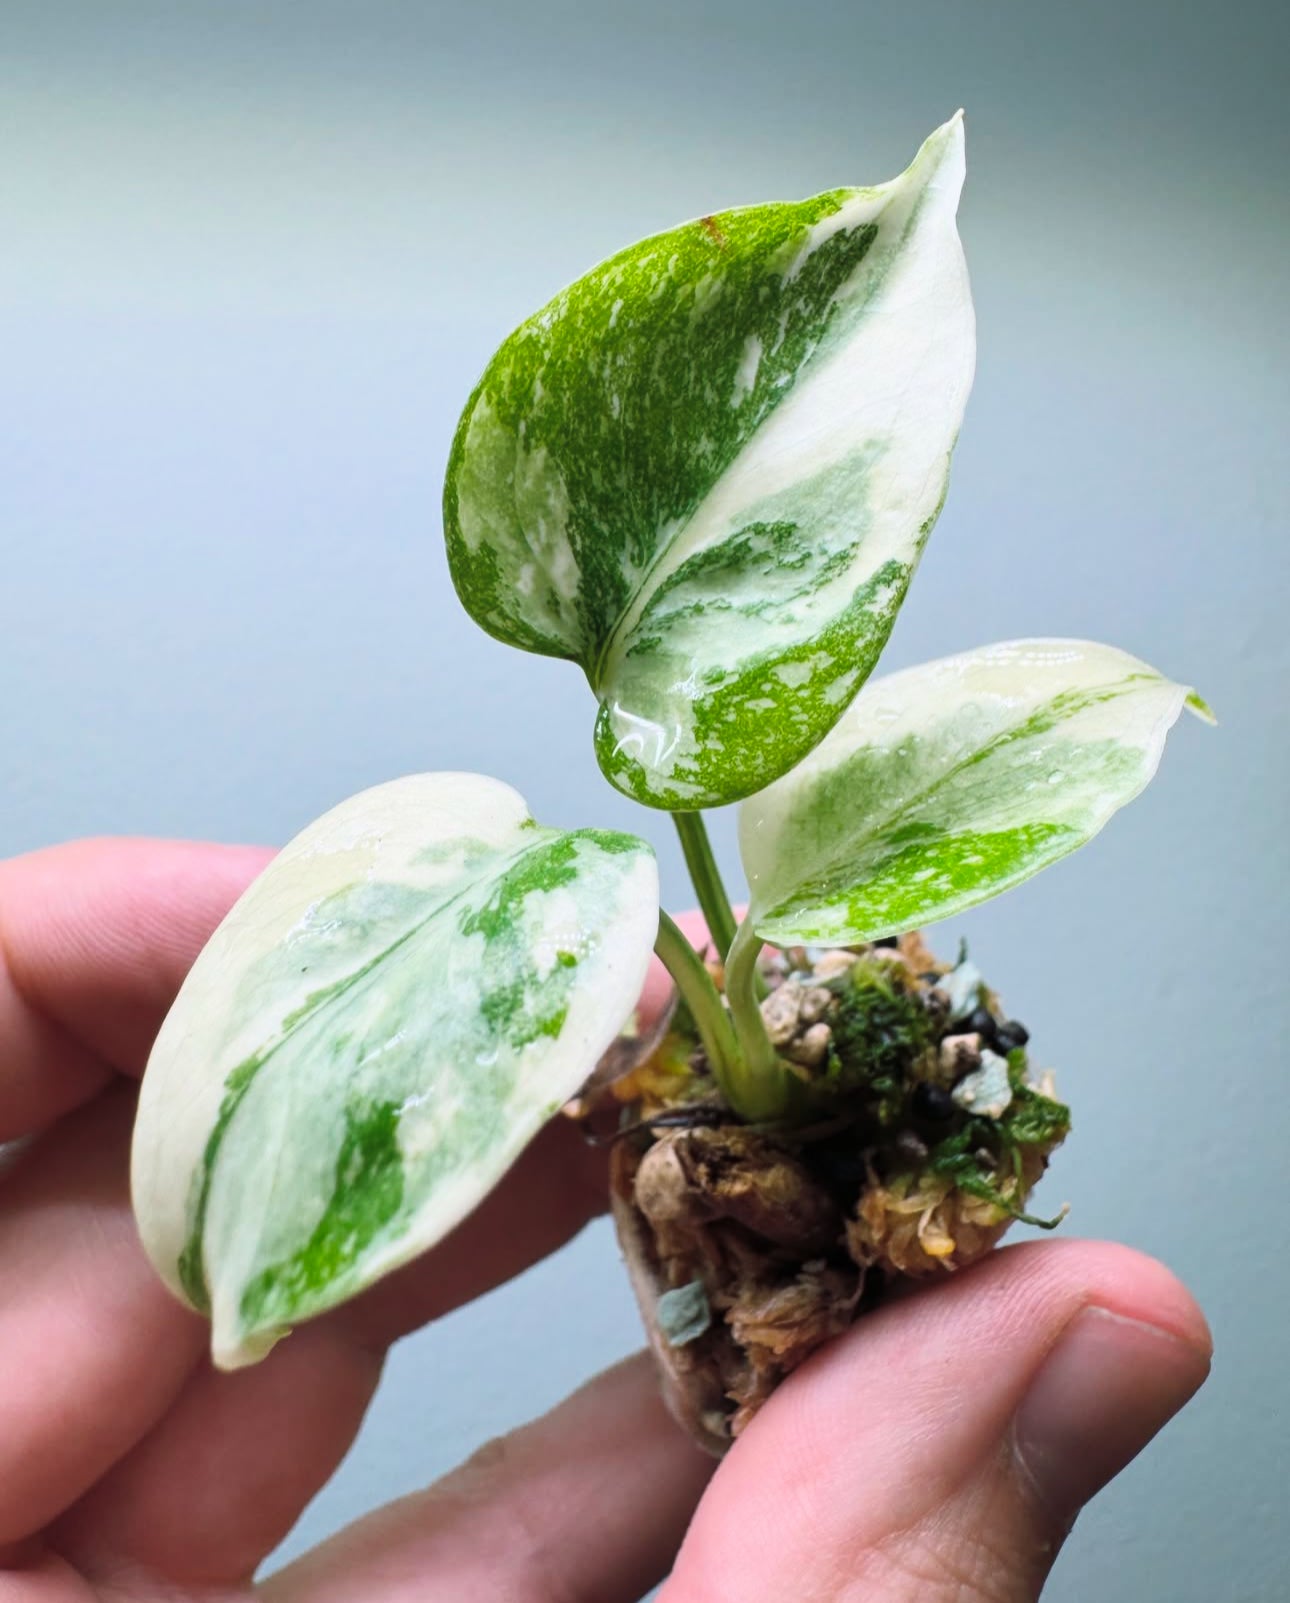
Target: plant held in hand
(705, 472)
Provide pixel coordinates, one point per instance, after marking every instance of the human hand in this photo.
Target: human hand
(939, 1450)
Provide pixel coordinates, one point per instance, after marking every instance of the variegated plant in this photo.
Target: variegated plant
(705, 472)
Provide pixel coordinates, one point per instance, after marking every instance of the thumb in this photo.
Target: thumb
(943, 1448)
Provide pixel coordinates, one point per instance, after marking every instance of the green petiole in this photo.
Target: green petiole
(703, 999)
(706, 879)
(743, 1062)
(765, 1092)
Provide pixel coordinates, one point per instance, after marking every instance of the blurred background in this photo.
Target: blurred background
(254, 257)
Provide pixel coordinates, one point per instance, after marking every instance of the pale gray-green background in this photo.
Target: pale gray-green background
(253, 257)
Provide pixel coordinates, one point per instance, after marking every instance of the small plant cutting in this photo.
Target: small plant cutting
(705, 473)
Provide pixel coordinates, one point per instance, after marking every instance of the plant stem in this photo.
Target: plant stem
(707, 1010)
(766, 1091)
(706, 878)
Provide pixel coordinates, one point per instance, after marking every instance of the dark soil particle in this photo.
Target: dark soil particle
(932, 1102)
(983, 1023)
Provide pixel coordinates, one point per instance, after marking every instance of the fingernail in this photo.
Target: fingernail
(1100, 1396)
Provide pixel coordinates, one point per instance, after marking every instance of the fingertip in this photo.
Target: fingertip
(1110, 1385)
(952, 1359)
(888, 1428)
(1128, 1283)
(1038, 1286)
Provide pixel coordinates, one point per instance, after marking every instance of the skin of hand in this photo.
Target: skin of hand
(940, 1450)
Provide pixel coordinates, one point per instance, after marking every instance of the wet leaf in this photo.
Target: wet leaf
(706, 472)
(380, 1025)
(951, 782)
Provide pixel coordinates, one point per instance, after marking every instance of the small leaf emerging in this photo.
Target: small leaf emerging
(371, 1037)
(949, 783)
(706, 472)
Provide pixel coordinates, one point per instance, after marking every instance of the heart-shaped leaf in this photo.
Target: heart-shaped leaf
(383, 1021)
(706, 472)
(949, 783)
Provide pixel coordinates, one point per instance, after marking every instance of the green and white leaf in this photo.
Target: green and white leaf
(706, 472)
(946, 784)
(380, 1025)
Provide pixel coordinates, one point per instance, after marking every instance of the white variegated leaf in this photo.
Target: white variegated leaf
(383, 1021)
(949, 783)
(706, 472)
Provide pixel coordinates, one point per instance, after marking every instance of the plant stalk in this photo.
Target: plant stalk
(706, 878)
(708, 1011)
(767, 1091)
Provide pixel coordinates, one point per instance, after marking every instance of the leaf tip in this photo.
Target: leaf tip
(951, 136)
(941, 162)
(234, 1347)
(1196, 703)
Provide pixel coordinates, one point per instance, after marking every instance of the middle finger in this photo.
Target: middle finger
(212, 1487)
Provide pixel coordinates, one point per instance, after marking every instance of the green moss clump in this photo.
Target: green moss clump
(879, 1034)
(980, 1151)
(1032, 1119)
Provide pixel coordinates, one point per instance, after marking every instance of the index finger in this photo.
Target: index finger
(95, 938)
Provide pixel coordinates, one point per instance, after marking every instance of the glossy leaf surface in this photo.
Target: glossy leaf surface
(946, 784)
(383, 1021)
(706, 472)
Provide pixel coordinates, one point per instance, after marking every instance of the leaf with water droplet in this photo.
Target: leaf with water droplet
(934, 792)
(379, 1026)
(707, 469)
